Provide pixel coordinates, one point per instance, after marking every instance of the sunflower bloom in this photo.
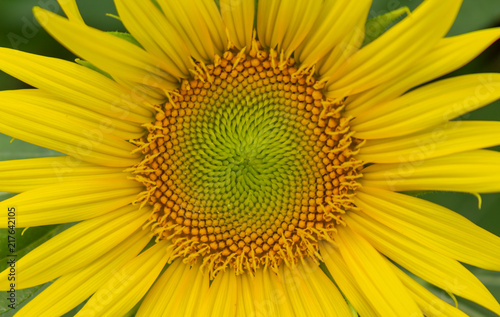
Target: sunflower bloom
(262, 151)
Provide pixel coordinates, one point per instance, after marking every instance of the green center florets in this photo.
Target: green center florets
(246, 154)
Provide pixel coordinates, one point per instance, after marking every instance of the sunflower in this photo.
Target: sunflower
(261, 150)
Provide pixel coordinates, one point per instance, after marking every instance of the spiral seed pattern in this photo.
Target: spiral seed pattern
(248, 165)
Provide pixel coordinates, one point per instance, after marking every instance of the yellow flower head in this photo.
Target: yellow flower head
(261, 148)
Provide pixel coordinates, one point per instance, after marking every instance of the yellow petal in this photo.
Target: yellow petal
(285, 24)
(428, 106)
(470, 172)
(222, 296)
(70, 201)
(21, 175)
(148, 25)
(267, 14)
(449, 54)
(430, 265)
(298, 18)
(329, 64)
(149, 95)
(127, 286)
(71, 10)
(79, 148)
(113, 55)
(396, 50)
(245, 302)
(430, 304)
(75, 84)
(164, 288)
(302, 299)
(113, 126)
(194, 287)
(40, 108)
(436, 227)
(269, 295)
(73, 288)
(30, 118)
(379, 282)
(76, 247)
(193, 27)
(326, 293)
(211, 15)
(345, 280)
(335, 22)
(238, 15)
(177, 292)
(449, 138)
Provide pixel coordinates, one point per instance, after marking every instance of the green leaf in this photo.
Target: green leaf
(375, 27)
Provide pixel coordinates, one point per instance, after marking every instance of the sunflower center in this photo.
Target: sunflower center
(248, 165)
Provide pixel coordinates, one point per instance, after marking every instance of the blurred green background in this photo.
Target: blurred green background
(19, 30)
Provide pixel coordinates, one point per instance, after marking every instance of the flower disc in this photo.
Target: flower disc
(248, 164)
